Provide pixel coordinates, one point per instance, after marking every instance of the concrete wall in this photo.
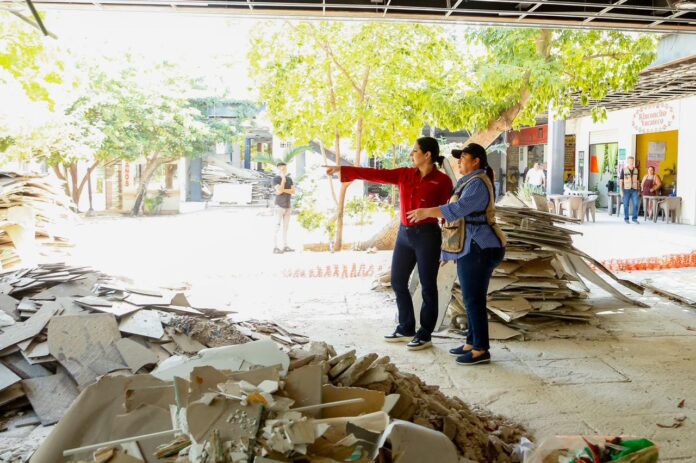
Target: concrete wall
(686, 167)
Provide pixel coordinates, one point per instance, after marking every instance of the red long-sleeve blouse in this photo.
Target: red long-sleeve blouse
(415, 191)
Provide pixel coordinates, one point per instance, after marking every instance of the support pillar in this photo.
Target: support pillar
(556, 163)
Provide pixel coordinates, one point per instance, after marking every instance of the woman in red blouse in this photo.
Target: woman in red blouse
(422, 185)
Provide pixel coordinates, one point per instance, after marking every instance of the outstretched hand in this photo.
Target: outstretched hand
(332, 170)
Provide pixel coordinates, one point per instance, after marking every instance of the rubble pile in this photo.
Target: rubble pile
(64, 327)
(216, 173)
(255, 403)
(127, 374)
(34, 211)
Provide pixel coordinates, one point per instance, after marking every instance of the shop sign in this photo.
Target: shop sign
(530, 136)
(654, 118)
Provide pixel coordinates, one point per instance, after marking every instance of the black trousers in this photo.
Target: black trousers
(417, 245)
(475, 271)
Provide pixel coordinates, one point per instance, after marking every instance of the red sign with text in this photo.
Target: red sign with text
(530, 136)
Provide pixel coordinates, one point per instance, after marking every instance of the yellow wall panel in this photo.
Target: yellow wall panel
(663, 168)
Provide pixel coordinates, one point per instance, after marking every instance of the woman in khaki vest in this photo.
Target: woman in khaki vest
(472, 238)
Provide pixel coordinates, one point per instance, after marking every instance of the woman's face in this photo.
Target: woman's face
(468, 164)
(418, 156)
(651, 171)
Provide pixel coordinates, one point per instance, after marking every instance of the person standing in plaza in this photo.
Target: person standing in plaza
(650, 186)
(536, 178)
(284, 190)
(629, 183)
(422, 185)
(474, 240)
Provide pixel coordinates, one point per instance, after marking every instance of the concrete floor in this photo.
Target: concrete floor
(623, 374)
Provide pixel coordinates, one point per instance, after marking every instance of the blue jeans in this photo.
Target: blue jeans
(475, 270)
(628, 197)
(417, 245)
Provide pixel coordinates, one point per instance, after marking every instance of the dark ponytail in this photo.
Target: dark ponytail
(430, 144)
(491, 177)
(477, 151)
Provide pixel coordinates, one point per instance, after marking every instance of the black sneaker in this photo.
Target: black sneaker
(277, 251)
(458, 351)
(397, 337)
(417, 343)
(468, 359)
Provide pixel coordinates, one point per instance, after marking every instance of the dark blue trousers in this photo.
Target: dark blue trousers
(417, 245)
(631, 196)
(475, 271)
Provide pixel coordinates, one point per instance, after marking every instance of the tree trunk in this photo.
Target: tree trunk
(84, 180)
(383, 240)
(326, 163)
(151, 166)
(59, 174)
(74, 184)
(358, 149)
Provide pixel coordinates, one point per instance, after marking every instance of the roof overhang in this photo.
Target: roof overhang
(633, 15)
(657, 84)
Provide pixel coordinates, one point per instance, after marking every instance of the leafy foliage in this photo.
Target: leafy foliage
(24, 59)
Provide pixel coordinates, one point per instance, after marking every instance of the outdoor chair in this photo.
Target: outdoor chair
(670, 208)
(575, 207)
(590, 206)
(542, 204)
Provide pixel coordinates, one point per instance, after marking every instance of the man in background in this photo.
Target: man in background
(284, 189)
(536, 178)
(630, 185)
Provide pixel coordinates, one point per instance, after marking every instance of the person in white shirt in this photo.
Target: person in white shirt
(536, 178)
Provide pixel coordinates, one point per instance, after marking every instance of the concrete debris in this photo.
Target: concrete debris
(73, 325)
(34, 214)
(210, 389)
(254, 412)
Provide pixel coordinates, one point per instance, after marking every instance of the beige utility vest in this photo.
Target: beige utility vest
(454, 233)
(630, 179)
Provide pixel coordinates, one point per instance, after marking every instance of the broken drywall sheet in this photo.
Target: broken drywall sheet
(50, 396)
(146, 419)
(135, 355)
(90, 419)
(411, 443)
(7, 377)
(144, 323)
(373, 401)
(303, 385)
(238, 357)
(85, 345)
(27, 329)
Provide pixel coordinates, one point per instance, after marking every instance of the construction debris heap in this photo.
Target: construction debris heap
(132, 375)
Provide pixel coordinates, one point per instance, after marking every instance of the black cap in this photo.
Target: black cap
(457, 153)
(475, 151)
(281, 163)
